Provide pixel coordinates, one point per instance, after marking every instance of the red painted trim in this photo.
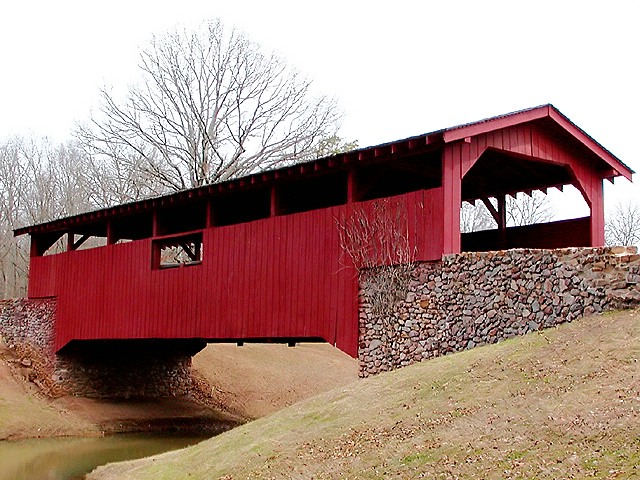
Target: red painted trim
(496, 123)
(591, 144)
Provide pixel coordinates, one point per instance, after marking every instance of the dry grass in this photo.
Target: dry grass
(564, 403)
(25, 412)
(250, 382)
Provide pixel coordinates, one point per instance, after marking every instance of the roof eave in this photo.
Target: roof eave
(536, 113)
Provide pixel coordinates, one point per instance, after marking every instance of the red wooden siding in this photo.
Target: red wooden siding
(531, 141)
(280, 277)
(565, 233)
(286, 276)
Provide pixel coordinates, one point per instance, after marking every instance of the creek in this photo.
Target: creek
(73, 458)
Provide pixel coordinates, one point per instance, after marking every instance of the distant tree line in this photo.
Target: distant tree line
(209, 106)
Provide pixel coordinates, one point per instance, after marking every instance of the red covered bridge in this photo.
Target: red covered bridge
(259, 257)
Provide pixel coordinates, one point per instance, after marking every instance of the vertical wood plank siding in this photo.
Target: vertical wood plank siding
(279, 277)
(529, 140)
(287, 276)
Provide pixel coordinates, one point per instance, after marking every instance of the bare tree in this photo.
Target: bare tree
(210, 107)
(622, 225)
(13, 185)
(529, 209)
(474, 218)
(38, 182)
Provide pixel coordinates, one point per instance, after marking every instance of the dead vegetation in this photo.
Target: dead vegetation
(375, 238)
(562, 403)
(29, 364)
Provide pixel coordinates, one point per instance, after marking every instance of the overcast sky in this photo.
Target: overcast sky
(397, 68)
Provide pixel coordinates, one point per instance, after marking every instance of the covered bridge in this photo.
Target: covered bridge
(259, 257)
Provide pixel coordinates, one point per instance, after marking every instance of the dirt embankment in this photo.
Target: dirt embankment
(232, 385)
(559, 403)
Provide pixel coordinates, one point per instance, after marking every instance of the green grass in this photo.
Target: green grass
(563, 403)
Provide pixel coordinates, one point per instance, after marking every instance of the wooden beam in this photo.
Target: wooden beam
(111, 237)
(273, 209)
(351, 186)
(492, 210)
(81, 240)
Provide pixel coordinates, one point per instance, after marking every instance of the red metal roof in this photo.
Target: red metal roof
(386, 150)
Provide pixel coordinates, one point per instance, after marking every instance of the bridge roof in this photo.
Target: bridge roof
(608, 165)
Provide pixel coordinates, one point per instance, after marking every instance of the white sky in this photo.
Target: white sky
(397, 68)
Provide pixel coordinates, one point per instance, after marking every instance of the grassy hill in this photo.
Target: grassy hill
(563, 403)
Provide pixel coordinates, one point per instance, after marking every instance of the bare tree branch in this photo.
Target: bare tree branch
(209, 107)
(622, 225)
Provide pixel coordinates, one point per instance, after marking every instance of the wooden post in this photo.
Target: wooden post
(274, 202)
(597, 214)
(111, 238)
(208, 221)
(590, 185)
(502, 221)
(452, 192)
(351, 186)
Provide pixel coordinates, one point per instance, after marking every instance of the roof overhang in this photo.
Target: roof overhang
(617, 167)
(611, 165)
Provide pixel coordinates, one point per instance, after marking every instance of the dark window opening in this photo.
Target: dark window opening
(182, 218)
(312, 194)
(241, 207)
(397, 178)
(47, 243)
(184, 250)
(131, 227)
(84, 237)
(85, 242)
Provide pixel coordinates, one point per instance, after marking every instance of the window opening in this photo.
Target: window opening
(182, 218)
(313, 193)
(184, 250)
(240, 207)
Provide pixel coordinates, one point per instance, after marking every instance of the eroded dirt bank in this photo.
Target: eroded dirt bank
(233, 385)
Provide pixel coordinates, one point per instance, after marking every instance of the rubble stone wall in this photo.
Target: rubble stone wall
(27, 326)
(476, 298)
(143, 377)
(30, 321)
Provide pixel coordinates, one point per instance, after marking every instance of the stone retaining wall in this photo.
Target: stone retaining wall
(30, 321)
(145, 377)
(109, 370)
(476, 298)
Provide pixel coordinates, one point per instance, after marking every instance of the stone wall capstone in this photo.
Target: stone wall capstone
(476, 298)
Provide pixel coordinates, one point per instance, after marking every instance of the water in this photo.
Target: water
(72, 458)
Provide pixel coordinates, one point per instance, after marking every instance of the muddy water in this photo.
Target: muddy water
(72, 458)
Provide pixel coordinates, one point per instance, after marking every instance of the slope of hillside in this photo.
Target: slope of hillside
(563, 403)
(248, 382)
(26, 413)
(258, 379)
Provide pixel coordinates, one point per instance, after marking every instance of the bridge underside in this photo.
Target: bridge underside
(127, 368)
(138, 367)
